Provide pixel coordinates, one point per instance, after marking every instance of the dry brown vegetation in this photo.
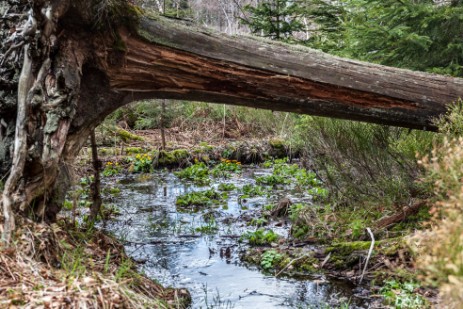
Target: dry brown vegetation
(440, 249)
(59, 266)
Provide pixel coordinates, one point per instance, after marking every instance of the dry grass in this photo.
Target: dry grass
(54, 267)
(440, 249)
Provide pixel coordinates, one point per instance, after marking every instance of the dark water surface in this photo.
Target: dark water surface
(174, 254)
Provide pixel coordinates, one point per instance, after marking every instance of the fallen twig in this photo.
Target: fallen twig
(399, 216)
(369, 253)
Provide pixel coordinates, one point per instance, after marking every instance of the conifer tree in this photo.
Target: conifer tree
(415, 34)
(275, 19)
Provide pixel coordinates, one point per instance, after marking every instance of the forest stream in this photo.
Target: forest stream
(200, 249)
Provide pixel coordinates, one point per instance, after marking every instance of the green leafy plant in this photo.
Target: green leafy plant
(201, 198)
(111, 169)
(260, 237)
(271, 180)
(358, 227)
(402, 295)
(197, 173)
(225, 168)
(249, 190)
(269, 259)
(209, 227)
(141, 163)
(318, 192)
(258, 222)
(226, 187)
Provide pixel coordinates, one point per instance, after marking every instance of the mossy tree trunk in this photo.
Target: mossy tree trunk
(65, 65)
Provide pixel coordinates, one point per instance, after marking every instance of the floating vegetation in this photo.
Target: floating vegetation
(197, 173)
(226, 187)
(196, 200)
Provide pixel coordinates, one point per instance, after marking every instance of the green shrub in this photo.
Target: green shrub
(364, 162)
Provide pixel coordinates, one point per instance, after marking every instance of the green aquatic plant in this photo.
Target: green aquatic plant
(141, 163)
(260, 237)
(271, 180)
(197, 173)
(226, 187)
(201, 198)
(270, 163)
(111, 169)
(209, 227)
(225, 168)
(258, 222)
(250, 190)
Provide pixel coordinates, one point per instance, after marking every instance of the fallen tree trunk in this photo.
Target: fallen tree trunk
(169, 60)
(86, 58)
(406, 211)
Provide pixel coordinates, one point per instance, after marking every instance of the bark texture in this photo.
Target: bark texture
(167, 59)
(65, 65)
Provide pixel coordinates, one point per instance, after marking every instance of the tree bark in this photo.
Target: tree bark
(95, 186)
(79, 66)
(169, 60)
(406, 211)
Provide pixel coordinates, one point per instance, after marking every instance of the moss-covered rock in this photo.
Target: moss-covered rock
(278, 148)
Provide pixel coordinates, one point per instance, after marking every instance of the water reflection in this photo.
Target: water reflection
(172, 253)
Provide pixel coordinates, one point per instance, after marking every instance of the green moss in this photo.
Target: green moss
(277, 143)
(126, 136)
(347, 248)
(175, 157)
(307, 265)
(134, 150)
(106, 151)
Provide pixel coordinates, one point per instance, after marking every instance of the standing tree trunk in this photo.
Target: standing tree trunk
(96, 183)
(162, 124)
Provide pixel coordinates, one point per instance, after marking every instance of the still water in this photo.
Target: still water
(171, 250)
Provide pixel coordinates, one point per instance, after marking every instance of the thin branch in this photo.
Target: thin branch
(369, 253)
